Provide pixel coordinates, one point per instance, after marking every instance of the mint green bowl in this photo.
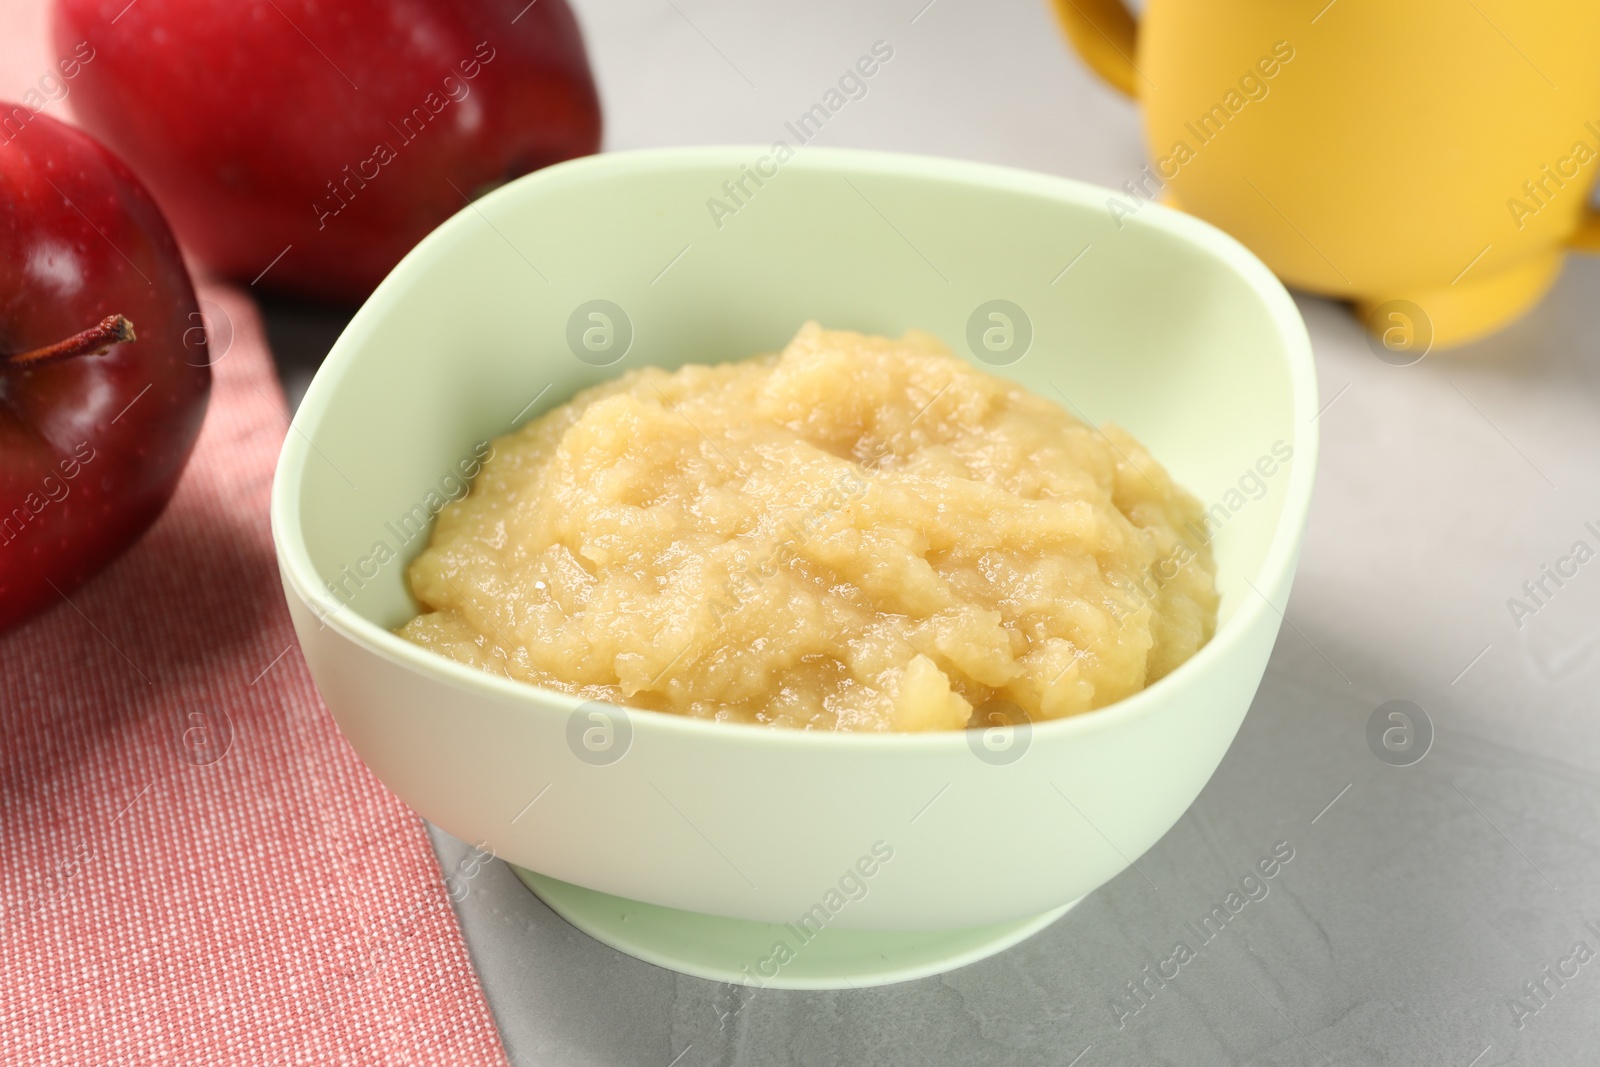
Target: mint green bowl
(697, 842)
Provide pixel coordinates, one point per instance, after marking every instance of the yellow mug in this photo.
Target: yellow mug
(1429, 160)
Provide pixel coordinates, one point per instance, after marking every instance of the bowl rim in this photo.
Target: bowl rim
(1277, 566)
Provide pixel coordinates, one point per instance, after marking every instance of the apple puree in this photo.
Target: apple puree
(855, 534)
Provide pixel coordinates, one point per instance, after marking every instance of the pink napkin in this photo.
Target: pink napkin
(195, 868)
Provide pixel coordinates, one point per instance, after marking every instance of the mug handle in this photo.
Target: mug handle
(1105, 35)
(1586, 238)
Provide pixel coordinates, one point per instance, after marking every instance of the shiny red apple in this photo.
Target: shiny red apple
(312, 143)
(103, 379)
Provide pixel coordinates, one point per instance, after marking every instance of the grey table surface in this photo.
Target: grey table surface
(1420, 899)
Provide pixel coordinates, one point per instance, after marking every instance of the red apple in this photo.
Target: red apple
(332, 134)
(95, 424)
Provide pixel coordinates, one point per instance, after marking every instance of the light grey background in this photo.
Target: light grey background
(1420, 901)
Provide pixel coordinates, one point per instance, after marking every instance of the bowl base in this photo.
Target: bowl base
(742, 952)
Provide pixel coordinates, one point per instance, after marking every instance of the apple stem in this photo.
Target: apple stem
(95, 341)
